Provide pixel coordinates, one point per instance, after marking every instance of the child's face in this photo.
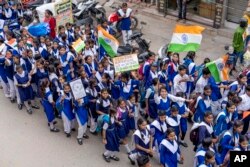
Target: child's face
(66, 89)
(248, 93)
(208, 92)
(231, 109)
(104, 79)
(209, 119)
(105, 94)
(122, 105)
(39, 66)
(132, 100)
(211, 160)
(83, 74)
(174, 113)
(124, 80)
(143, 126)
(243, 80)
(153, 68)
(164, 93)
(20, 71)
(239, 129)
(61, 80)
(89, 60)
(62, 31)
(244, 144)
(42, 40)
(162, 118)
(175, 58)
(62, 51)
(100, 68)
(183, 72)
(55, 45)
(87, 46)
(16, 60)
(171, 136)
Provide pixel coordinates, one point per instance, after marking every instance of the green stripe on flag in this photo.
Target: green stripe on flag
(107, 47)
(173, 47)
(214, 71)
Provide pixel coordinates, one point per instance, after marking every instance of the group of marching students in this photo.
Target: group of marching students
(156, 103)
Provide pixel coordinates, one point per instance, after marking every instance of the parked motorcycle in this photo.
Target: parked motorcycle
(143, 45)
(115, 22)
(88, 11)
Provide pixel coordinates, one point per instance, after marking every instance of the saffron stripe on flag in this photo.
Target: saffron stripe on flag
(188, 29)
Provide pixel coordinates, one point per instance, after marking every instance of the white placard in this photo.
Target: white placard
(77, 89)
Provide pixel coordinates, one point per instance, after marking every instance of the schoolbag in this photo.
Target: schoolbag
(194, 133)
(100, 121)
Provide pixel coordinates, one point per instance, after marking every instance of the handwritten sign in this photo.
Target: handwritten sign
(126, 63)
(78, 45)
(63, 12)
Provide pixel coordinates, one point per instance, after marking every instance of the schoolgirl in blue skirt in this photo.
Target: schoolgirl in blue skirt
(133, 115)
(122, 123)
(109, 137)
(48, 103)
(22, 81)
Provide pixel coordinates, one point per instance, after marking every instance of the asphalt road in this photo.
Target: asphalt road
(26, 141)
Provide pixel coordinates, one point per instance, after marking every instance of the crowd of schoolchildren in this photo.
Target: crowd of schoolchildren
(155, 102)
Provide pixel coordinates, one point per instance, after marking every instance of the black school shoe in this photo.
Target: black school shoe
(29, 111)
(131, 161)
(79, 141)
(68, 134)
(184, 144)
(85, 136)
(106, 158)
(20, 106)
(35, 107)
(73, 129)
(54, 130)
(115, 158)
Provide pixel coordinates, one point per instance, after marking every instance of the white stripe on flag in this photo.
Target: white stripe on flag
(184, 38)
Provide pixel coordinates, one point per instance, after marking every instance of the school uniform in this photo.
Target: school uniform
(47, 101)
(152, 75)
(103, 85)
(202, 105)
(235, 85)
(215, 95)
(89, 68)
(125, 25)
(131, 121)
(244, 106)
(126, 89)
(90, 52)
(70, 35)
(224, 103)
(169, 153)
(152, 106)
(43, 51)
(239, 148)
(205, 130)
(122, 116)
(228, 142)
(66, 60)
(146, 71)
(111, 135)
(99, 75)
(190, 65)
(199, 157)
(66, 111)
(165, 104)
(81, 115)
(9, 70)
(55, 85)
(224, 121)
(103, 105)
(141, 138)
(3, 78)
(172, 70)
(158, 130)
(164, 79)
(55, 53)
(174, 122)
(92, 95)
(182, 108)
(25, 93)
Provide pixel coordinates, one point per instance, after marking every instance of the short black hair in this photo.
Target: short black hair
(142, 160)
(206, 71)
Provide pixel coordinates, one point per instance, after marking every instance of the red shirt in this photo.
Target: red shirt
(52, 25)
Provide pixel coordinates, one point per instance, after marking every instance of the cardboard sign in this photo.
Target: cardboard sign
(126, 63)
(77, 89)
(63, 11)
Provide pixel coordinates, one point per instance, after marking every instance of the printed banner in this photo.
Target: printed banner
(126, 63)
(63, 12)
(78, 45)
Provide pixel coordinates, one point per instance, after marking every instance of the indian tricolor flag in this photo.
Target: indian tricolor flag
(107, 41)
(186, 38)
(12, 43)
(218, 69)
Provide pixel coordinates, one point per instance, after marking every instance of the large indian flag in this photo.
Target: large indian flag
(107, 41)
(186, 38)
(218, 70)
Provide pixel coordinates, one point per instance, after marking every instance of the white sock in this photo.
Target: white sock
(127, 148)
(107, 153)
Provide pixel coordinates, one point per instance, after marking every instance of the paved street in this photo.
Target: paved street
(26, 141)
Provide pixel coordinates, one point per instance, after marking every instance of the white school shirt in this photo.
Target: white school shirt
(171, 97)
(200, 84)
(180, 87)
(245, 103)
